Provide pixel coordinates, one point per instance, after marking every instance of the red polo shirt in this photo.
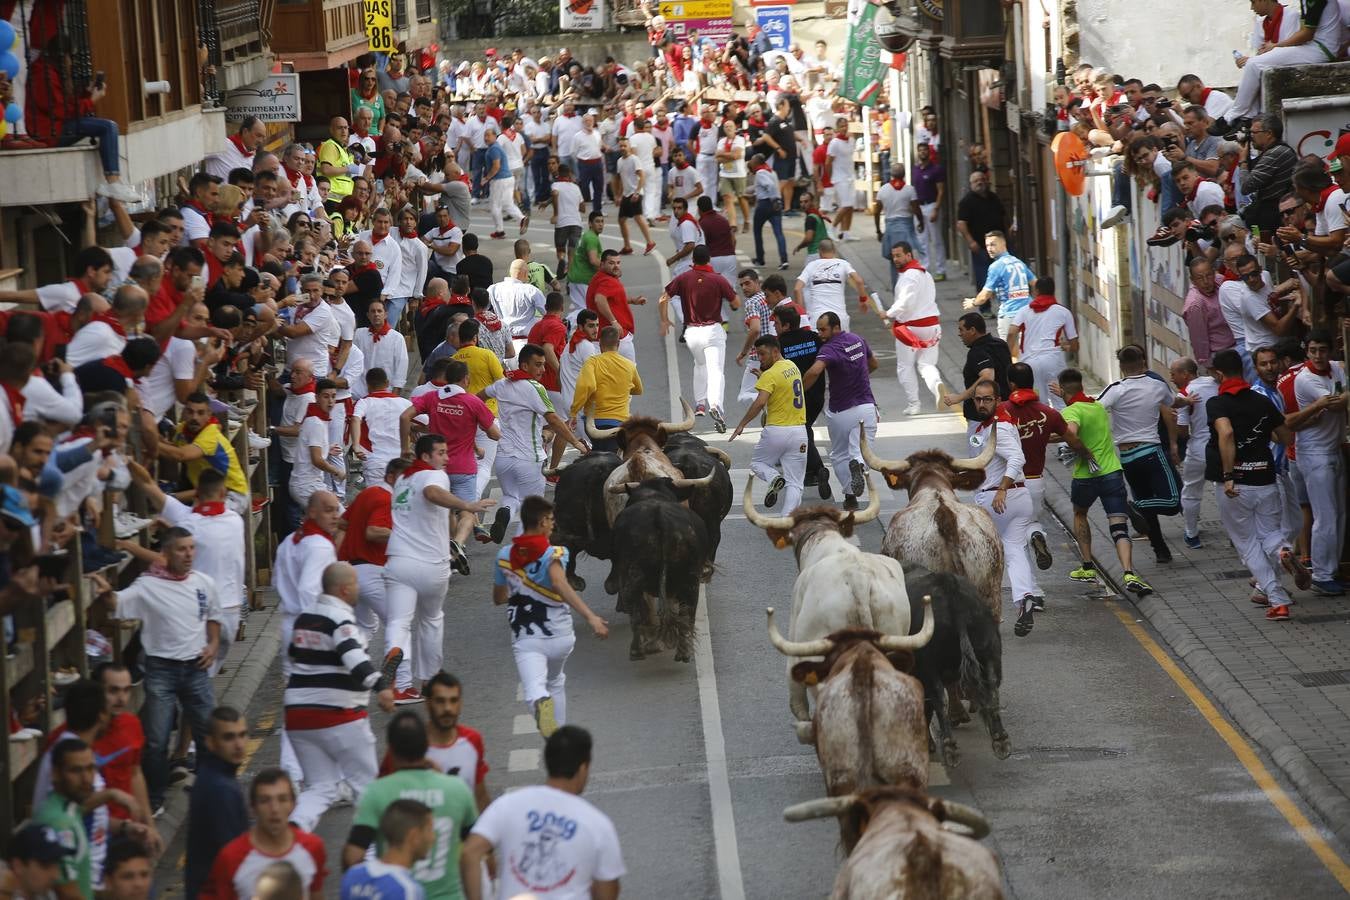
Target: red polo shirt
(613, 289)
(373, 506)
(550, 330)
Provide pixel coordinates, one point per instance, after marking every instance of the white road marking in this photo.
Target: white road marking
(523, 724)
(520, 692)
(526, 760)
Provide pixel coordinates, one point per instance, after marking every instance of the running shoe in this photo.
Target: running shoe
(544, 717)
(482, 535)
(1192, 541)
(458, 561)
(856, 483)
(1329, 588)
(392, 660)
(1042, 550)
(823, 483)
(1024, 623)
(850, 502)
(778, 483)
(1295, 567)
(407, 697)
(1136, 585)
(499, 523)
(718, 422)
(1278, 613)
(1162, 555)
(700, 410)
(1259, 597)
(1037, 602)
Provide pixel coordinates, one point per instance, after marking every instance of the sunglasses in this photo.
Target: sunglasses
(1247, 276)
(1289, 212)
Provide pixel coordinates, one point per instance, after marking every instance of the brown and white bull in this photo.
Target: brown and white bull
(869, 724)
(938, 531)
(908, 849)
(641, 443)
(838, 585)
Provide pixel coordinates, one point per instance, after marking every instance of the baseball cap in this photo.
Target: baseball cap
(1342, 146)
(12, 506)
(37, 843)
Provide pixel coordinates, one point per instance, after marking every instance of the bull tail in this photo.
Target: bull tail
(972, 673)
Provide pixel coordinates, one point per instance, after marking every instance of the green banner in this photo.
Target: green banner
(862, 62)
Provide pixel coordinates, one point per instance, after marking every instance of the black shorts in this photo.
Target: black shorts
(785, 169)
(566, 238)
(1110, 489)
(629, 207)
(1154, 485)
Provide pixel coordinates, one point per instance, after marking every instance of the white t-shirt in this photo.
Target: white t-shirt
(474, 128)
(306, 478)
(353, 372)
(443, 240)
(96, 340)
(325, 332)
(292, 411)
(194, 224)
(346, 319)
(173, 614)
(550, 843)
(387, 256)
(538, 133)
(707, 138)
(1332, 216)
(63, 297)
(895, 204)
(421, 528)
(1196, 416)
(569, 204)
(683, 182)
(521, 406)
(220, 547)
(1324, 436)
(514, 148)
(1230, 306)
(390, 353)
(1133, 405)
(644, 148)
(1328, 31)
(735, 168)
(1251, 305)
(628, 174)
(565, 128)
(586, 145)
(1044, 332)
(824, 281)
(1207, 194)
(840, 153)
(570, 365)
(379, 414)
(519, 303)
(178, 362)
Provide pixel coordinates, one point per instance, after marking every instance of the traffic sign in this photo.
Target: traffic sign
(776, 22)
(696, 9)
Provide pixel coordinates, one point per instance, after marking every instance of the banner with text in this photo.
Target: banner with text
(274, 99)
(581, 15)
(862, 61)
(379, 26)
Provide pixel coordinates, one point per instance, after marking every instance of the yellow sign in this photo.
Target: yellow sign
(379, 26)
(696, 9)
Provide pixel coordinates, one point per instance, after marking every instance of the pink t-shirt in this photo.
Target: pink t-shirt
(455, 415)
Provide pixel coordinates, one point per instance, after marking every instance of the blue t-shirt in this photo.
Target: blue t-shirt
(377, 880)
(496, 152)
(1011, 280)
(535, 608)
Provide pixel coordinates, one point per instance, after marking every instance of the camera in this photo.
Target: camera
(1241, 136)
(1197, 231)
(1162, 103)
(1169, 141)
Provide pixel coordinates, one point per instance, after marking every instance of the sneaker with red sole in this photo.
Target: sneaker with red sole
(407, 697)
(1295, 567)
(497, 235)
(1278, 614)
(651, 245)
(392, 660)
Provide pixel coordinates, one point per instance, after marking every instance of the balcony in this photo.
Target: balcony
(318, 34)
(236, 41)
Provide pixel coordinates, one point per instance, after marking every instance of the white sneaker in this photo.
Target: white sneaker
(127, 525)
(258, 442)
(911, 411)
(1116, 215)
(849, 237)
(116, 190)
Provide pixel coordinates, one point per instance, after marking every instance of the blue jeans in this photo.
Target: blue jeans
(168, 684)
(465, 487)
(764, 212)
(394, 308)
(591, 180)
(1170, 196)
(477, 166)
(103, 130)
(543, 186)
(1120, 187)
(899, 228)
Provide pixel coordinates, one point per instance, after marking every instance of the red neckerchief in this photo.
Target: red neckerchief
(239, 145)
(1042, 302)
(375, 335)
(763, 167)
(308, 389)
(118, 365)
(578, 336)
(111, 321)
(16, 402)
(814, 211)
(1322, 198)
(460, 300)
(509, 134)
(1270, 25)
(527, 548)
(758, 123)
(1000, 415)
(359, 133)
(306, 309)
(308, 528)
(1233, 385)
(190, 435)
(375, 241)
(1023, 395)
(688, 218)
(295, 177)
(703, 268)
(313, 410)
(206, 214)
(1080, 397)
(682, 167)
(210, 508)
(489, 319)
(159, 570)
(417, 466)
(1204, 95)
(912, 266)
(357, 268)
(430, 303)
(519, 375)
(1323, 372)
(382, 394)
(898, 183)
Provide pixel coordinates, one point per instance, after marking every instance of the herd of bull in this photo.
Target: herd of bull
(880, 644)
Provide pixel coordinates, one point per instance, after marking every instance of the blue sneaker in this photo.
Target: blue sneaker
(1192, 541)
(1329, 588)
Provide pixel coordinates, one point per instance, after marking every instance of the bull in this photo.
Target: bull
(580, 521)
(660, 547)
(869, 726)
(909, 847)
(838, 586)
(710, 502)
(966, 649)
(641, 441)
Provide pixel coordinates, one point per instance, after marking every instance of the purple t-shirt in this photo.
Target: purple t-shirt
(926, 179)
(845, 356)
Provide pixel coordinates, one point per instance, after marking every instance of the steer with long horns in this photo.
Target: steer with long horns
(909, 848)
(641, 443)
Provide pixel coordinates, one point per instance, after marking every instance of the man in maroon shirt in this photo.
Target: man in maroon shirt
(720, 239)
(701, 292)
(550, 333)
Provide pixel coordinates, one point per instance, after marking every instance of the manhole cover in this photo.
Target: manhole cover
(1327, 678)
(1069, 754)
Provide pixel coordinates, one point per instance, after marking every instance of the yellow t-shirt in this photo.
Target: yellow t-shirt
(605, 383)
(787, 400)
(333, 153)
(484, 368)
(216, 454)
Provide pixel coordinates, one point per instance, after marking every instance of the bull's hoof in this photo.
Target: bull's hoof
(682, 656)
(635, 654)
(577, 582)
(654, 646)
(806, 732)
(951, 754)
(1003, 746)
(957, 714)
(707, 574)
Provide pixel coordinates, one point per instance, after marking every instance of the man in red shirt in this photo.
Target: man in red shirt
(369, 520)
(121, 744)
(607, 296)
(550, 333)
(271, 839)
(178, 293)
(701, 292)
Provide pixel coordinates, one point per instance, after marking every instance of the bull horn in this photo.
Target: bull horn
(795, 648)
(873, 508)
(960, 814)
(600, 434)
(876, 462)
(686, 425)
(755, 517)
(911, 641)
(720, 455)
(623, 487)
(694, 482)
(823, 808)
(976, 463)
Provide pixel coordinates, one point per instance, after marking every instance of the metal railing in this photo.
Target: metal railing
(423, 10)
(400, 14)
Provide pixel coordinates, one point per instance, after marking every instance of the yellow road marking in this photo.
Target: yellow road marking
(1242, 750)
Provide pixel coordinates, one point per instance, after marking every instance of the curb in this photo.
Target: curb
(1323, 795)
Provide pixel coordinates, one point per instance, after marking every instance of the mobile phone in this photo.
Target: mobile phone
(100, 79)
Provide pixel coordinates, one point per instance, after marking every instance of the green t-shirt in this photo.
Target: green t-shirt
(581, 271)
(814, 226)
(64, 817)
(539, 276)
(1094, 430)
(454, 812)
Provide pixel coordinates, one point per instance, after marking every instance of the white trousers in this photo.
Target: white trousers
(1036, 488)
(1045, 368)
(414, 591)
(1014, 528)
(1193, 485)
(329, 756)
(845, 444)
(1252, 520)
(706, 164)
(485, 464)
(337, 423)
(1291, 514)
(626, 349)
(372, 608)
(727, 267)
(1324, 474)
(911, 364)
(373, 466)
(782, 446)
(502, 193)
(1248, 99)
(519, 478)
(539, 663)
(576, 300)
(708, 345)
(932, 250)
(651, 194)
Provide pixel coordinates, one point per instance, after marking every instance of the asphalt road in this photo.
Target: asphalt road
(1117, 785)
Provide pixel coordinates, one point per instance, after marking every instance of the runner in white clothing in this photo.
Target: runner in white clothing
(1046, 330)
(1320, 385)
(375, 430)
(913, 319)
(581, 346)
(820, 286)
(1194, 391)
(383, 348)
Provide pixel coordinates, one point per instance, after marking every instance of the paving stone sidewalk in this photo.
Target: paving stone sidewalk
(1287, 685)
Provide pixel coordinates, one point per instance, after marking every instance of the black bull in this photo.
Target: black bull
(579, 516)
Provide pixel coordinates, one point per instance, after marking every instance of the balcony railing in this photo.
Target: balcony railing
(232, 32)
(423, 11)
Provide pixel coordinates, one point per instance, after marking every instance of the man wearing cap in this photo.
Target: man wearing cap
(33, 863)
